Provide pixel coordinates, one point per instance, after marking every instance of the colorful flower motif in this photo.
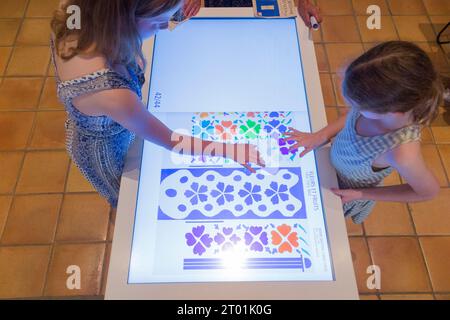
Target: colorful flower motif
(204, 129)
(277, 192)
(285, 239)
(251, 193)
(251, 129)
(256, 239)
(226, 130)
(199, 240)
(223, 193)
(227, 239)
(197, 193)
(284, 147)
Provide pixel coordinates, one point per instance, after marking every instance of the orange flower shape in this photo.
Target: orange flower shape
(226, 130)
(285, 239)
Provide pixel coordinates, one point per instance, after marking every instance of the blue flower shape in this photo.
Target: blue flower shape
(223, 193)
(277, 192)
(197, 193)
(251, 193)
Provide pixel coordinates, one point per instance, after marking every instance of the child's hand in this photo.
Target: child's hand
(191, 8)
(309, 141)
(245, 154)
(348, 195)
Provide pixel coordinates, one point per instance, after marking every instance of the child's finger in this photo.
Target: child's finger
(295, 147)
(305, 152)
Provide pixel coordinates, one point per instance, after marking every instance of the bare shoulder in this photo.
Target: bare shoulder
(406, 154)
(107, 102)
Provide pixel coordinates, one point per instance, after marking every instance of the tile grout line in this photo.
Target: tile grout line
(54, 243)
(29, 136)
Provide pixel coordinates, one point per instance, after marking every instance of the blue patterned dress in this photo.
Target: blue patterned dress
(98, 145)
(352, 155)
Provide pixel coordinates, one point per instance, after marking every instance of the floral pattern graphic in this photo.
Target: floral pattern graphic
(227, 239)
(251, 129)
(256, 239)
(197, 193)
(198, 240)
(277, 192)
(223, 193)
(226, 130)
(284, 238)
(251, 193)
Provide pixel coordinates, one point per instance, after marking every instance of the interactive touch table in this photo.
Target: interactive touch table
(205, 228)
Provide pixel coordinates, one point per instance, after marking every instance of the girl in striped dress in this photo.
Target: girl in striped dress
(393, 90)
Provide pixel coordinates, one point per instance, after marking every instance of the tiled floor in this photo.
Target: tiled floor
(50, 217)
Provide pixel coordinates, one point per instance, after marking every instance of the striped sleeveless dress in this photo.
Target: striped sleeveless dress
(352, 155)
(98, 145)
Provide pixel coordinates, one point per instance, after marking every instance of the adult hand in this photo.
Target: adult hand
(306, 9)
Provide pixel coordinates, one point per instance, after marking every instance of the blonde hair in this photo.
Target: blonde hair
(395, 76)
(110, 25)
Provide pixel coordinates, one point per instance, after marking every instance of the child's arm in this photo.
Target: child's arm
(125, 107)
(421, 185)
(311, 141)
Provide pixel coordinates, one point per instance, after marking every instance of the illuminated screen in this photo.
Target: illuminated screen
(207, 219)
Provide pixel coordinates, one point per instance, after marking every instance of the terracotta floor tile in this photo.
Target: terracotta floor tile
(335, 7)
(332, 114)
(5, 52)
(393, 179)
(8, 31)
(427, 136)
(76, 182)
(321, 56)
(406, 7)
(414, 28)
(317, 36)
(442, 296)
(441, 134)
(340, 29)
(437, 7)
(23, 270)
(439, 22)
(88, 257)
(361, 261)
(433, 161)
(29, 61)
(360, 6)
(436, 251)
(10, 163)
(401, 263)
(20, 93)
(15, 129)
(386, 33)
(432, 218)
(83, 218)
(407, 297)
(49, 131)
(5, 203)
(43, 172)
(327, 90)
(389, 219)
(444, 151)
(34, 32)
(32, 219)
(337, 84)
(12, 8)
(354, 229)
(340, 55)
(49, 99)
(42, 8)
